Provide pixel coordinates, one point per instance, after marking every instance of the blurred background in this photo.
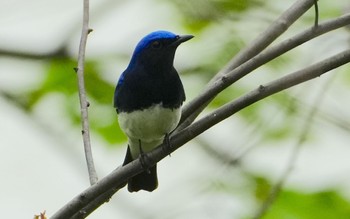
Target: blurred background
(228, 171)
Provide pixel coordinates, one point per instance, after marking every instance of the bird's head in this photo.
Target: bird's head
(157, 48)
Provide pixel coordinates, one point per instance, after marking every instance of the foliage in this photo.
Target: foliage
(60, 78)
(295, 204)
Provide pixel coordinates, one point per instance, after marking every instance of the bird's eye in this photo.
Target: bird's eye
(156, 44)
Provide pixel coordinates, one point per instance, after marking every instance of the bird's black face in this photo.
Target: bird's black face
(169, 42)
(160, 52)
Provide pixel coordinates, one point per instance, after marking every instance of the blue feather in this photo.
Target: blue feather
(160, 34)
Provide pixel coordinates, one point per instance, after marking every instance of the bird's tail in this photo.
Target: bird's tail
(146, 180)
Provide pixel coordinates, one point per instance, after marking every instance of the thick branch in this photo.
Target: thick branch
(277, 28)
(203, 99)
(273, 87)
(120, 175)
(82, 95)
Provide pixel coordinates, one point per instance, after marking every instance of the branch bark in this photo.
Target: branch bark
(84, 104)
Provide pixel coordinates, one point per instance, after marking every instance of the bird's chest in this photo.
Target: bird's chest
(150, 124)
(150, 87)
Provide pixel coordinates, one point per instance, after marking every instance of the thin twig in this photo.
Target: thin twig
(84, 104)
(263, 40)
(316, 13)
(276, 189)
(120, 175)
(58, 53)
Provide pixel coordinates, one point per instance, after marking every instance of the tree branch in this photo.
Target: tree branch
(194, 107)
(121, 174)
(273, 87)
(276, 29)
(86, 202)
(82, 95)
(61, 52)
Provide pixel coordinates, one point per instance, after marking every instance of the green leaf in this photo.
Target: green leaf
(61, 78)
(294, 204)
(298, 205)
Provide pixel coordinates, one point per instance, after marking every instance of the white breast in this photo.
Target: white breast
(148, 125)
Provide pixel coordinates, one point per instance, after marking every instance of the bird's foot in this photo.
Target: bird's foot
(145, 162)
(166, 144)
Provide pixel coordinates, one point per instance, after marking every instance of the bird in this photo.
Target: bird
(148, 99)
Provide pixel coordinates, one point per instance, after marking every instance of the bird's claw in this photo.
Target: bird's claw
(144, 160)
(166, 144)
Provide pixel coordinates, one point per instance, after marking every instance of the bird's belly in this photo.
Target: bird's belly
(149, 125)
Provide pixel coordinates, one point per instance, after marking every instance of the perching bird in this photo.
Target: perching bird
(148, 99)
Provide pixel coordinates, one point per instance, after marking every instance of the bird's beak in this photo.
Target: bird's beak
(182, 38)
